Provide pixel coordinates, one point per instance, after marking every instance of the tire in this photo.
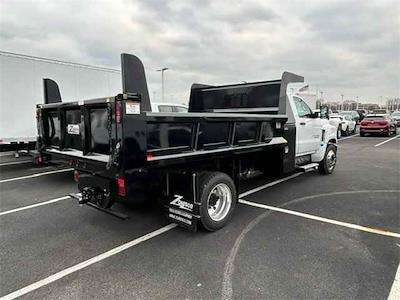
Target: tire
(362, 133)
(347, 132)
(354, 130)
(339, 132)
(216, 211)
(389, 132)
(328, 164)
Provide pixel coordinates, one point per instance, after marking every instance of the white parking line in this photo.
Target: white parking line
(384, 142)
(262, 187)
(15, 163)
(395, 290)
(348, 137)
(36, 175)
(86, 263)
(34, 205)
(321, 219)
(6, 154)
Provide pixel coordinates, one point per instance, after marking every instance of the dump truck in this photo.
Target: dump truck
(195, 161)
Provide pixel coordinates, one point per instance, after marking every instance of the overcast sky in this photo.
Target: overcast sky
(341, 47)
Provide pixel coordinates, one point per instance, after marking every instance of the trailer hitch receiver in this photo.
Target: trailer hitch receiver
(84, 200)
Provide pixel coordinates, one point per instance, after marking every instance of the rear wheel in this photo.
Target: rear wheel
(362, 133)
(217, 194)
(354, 130)
(328, 164)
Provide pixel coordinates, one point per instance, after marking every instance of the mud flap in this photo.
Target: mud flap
(181, 205)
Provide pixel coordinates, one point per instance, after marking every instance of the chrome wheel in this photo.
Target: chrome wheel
(219, 202)
(331, 159)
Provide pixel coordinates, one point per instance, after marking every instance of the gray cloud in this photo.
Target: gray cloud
(349, 47)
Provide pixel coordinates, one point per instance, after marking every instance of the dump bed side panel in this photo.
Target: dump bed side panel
(172, 137)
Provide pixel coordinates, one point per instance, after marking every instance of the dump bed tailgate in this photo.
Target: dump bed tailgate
(82, 131)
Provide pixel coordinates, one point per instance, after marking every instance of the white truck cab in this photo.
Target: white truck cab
(313, 133)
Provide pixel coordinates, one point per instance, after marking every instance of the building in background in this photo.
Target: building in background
(393, 104)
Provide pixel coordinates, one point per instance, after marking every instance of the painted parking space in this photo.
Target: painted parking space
(260, 254)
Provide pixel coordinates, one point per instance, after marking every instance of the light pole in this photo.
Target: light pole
(162, 81)
(357, 103)
(342, 101)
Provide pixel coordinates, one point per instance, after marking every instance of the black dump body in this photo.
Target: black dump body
(119, 137)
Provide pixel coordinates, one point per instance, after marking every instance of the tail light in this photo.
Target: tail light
(76, 176)
(383, 123)
(118, 112)
(39, 159)
(121, 186)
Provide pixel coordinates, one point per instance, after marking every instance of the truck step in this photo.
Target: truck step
(307, 167)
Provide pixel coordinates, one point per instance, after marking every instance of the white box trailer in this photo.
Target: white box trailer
(21, 88)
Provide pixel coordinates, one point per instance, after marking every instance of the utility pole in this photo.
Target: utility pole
(162, 81)
(357, 103)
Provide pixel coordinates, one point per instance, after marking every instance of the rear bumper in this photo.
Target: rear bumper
(76, 154)
(374, 129)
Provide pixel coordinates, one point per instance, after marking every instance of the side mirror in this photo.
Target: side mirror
(324, 112)
(315, 113)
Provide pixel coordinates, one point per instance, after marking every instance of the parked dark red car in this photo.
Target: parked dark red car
(381, 124)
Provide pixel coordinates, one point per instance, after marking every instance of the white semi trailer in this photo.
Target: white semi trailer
(21, 88)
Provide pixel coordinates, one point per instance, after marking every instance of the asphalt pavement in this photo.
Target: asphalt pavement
(344, 245)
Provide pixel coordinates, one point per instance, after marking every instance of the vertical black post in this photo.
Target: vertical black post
(134, 79)
(63, 127)
(51, 92)
(85, 121)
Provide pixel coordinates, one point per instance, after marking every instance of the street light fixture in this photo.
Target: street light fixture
(162, 81)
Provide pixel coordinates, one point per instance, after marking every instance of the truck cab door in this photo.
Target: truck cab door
(308, 128)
